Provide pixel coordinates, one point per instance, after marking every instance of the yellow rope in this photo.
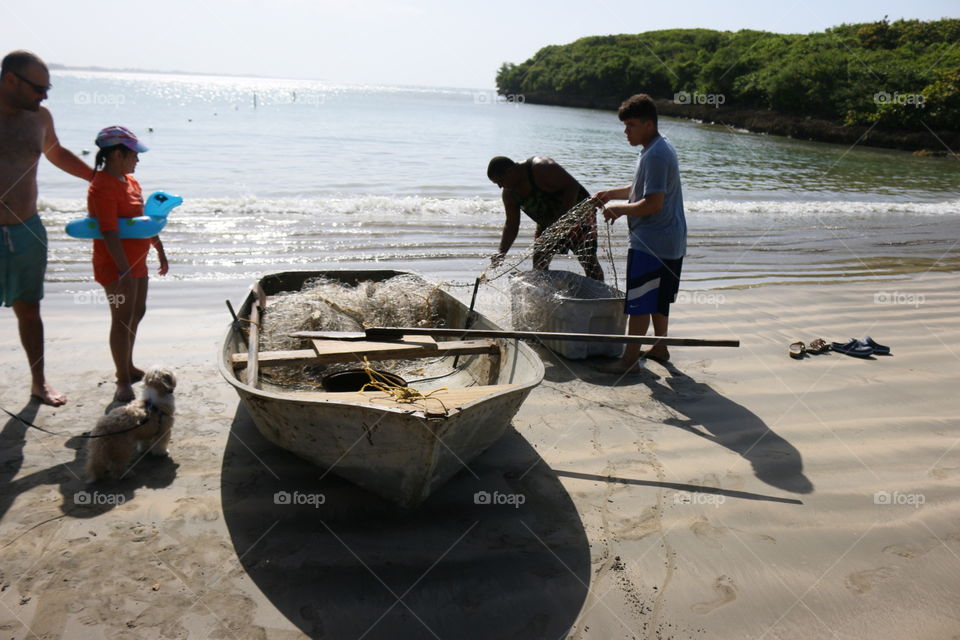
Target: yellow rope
(399, 393)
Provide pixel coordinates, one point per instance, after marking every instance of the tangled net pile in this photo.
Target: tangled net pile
(330, 305)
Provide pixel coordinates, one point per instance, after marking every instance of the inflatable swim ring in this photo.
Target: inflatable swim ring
(153, 220)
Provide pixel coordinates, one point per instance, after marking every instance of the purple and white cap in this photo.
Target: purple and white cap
(115, 135)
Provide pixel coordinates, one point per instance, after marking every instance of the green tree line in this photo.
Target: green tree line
(902, 75)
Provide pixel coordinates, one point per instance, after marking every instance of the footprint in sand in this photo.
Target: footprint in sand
(726, 593)
(864, 581)
(710, 533)
(943, 473)
(908, 551)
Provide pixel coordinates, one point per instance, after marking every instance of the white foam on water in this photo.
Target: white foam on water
(386, 210)
(229, 238)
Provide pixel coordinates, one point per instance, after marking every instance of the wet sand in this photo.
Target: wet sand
(734, 493)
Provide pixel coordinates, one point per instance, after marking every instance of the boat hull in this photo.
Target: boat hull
(400, 452)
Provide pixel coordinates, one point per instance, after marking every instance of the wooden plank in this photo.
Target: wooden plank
(277, 358)
(408, 343)
(353, 354)
(384, 333)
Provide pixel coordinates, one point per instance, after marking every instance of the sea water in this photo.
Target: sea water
(293, 174)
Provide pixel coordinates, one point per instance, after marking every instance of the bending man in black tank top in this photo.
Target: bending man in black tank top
(544, 191)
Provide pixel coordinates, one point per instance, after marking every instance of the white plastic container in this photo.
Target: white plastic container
(568, 302)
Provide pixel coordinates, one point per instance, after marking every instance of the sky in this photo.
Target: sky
(441, 43)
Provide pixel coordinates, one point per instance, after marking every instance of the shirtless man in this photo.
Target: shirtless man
(26, 131)
(543, 190)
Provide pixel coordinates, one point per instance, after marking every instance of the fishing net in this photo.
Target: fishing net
(575, 233)
(330, 305)
(550, 300)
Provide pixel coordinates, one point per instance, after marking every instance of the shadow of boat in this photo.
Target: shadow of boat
(499, 551)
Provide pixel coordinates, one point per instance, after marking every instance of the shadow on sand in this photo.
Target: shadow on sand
(339, 562)
(715, 417)
(80, 500)
(703, 412)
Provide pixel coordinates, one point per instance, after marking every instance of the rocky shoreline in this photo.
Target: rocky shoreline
(933, 143)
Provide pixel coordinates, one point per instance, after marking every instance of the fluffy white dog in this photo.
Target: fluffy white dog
(140, 425)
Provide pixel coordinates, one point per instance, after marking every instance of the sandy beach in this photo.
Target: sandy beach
(734, 493)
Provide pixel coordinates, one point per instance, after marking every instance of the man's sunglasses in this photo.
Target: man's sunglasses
(39, 88)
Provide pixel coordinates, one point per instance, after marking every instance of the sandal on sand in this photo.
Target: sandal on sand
(797, 349)
(853, 348)
(879, 349)
(818, 345)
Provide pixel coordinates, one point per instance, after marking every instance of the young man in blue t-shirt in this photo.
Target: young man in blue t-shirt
(658, 231)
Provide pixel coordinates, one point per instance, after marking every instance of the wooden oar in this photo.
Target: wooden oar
(381, 333)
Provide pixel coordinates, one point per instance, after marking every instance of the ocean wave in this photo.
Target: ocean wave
(796, 209)
(444, 211)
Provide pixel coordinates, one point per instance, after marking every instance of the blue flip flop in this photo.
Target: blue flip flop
(853, 348)
(879, 349)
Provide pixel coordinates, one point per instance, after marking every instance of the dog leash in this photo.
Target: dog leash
(150, 407)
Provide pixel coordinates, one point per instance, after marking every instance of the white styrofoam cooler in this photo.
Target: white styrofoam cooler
(568, 302)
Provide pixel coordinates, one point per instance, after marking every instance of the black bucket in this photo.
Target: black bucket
(354, 379)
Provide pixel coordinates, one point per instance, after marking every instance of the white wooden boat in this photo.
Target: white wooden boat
(401, 449)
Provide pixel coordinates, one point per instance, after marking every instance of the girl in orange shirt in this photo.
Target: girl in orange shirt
(121, 265)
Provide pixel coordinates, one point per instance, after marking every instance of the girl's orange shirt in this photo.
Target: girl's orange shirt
(109, 199)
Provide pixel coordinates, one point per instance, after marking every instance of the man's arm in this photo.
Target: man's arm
(511, 227)
(620, 193)
(62, 158)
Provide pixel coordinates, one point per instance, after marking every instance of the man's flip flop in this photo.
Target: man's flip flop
(853, 348)
(879, 349)
(797, 349)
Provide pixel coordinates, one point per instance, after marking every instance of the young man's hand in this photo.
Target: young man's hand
(613, 212)
(602, 197)
(497, 259)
